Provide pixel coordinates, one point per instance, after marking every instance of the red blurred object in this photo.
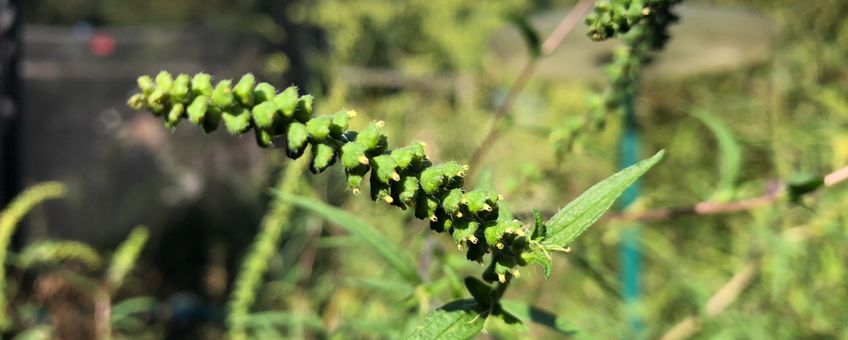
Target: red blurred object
(101, 44)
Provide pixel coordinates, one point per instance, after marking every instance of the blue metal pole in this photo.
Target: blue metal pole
(629, 255)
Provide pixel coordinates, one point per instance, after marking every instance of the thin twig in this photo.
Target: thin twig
(714, 208)
(551, 43)
(103, 314)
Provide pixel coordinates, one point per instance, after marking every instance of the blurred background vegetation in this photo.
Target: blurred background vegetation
(748, 93)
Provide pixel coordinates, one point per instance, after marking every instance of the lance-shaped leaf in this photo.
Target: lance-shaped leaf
(459, 319)
(571, 221)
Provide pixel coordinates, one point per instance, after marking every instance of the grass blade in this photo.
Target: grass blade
(731, 155)
(396, 258)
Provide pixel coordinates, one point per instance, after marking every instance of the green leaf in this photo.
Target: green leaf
(460, 319)
(534, 44)
(393, 255)
(731, 155)
(801, 184)
(535, 314)
(571, 221)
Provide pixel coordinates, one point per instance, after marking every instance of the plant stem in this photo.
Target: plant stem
(714, 208)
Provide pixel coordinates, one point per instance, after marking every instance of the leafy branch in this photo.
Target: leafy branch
(403, 177)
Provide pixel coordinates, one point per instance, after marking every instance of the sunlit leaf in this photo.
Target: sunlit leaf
(571, 221)
(460, 319)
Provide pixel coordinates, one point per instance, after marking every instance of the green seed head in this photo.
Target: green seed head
(383, 167)
(180, 89)
(264, 114)
(164, 80)
(323, 156)
(237, 120)
(319, 127)
(304, 108)
(353, 155)
(201, 85)
(340, 121)
(244, 89)
(264, 92)
(287, 101)
(222, 95)
(373, 138)
(136, 101)
(146, 85)
(296, 138)
(174, 116)
(451, 201)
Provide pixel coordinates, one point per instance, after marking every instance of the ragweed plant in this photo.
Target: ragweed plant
(403, 177)
(10, 217)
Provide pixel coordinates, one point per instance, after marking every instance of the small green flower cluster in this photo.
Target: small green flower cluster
(646, 24)
(644, 39)
(403, 177)
(614, 17)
